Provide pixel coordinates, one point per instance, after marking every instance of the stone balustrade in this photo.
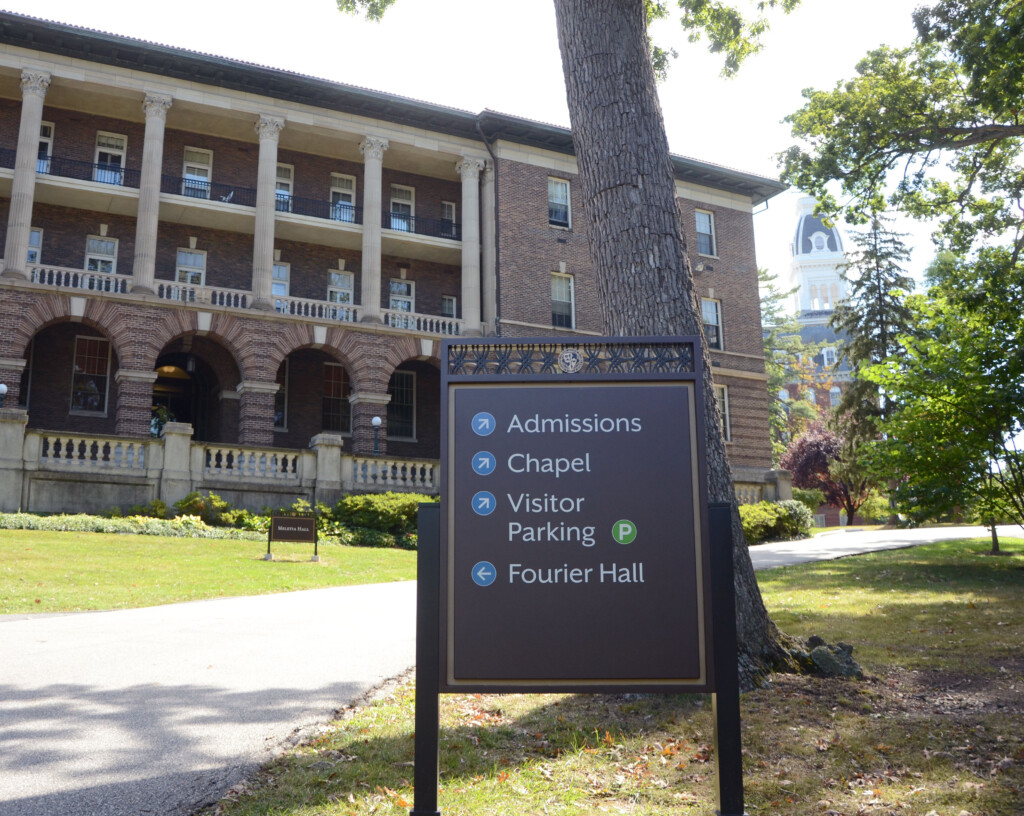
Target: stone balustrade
(372, 474)
(66, 278)
(82, 454)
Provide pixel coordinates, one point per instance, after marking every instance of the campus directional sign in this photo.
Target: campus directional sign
(574, 552)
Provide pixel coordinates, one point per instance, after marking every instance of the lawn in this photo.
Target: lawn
(936, 728)
(70, 572)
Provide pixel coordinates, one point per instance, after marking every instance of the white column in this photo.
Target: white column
(23, 188)
(372, 149)
(144, 265)
(268, 128)
(488, 238)
(469, 169)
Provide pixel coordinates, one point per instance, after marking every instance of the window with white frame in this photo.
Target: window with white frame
(45, 153)
(280, 276)
(337, 411)
(402, 407)
(563, 306)
(197, 172)
(559, 209)
(339, 287)
(35, 245)
(449, 219)
(835, 393)
(402, 296)
(705, 233)
(711, 311)
(343, 198)
(283, 187)
(281, 397)
(191, 267)
(722, 396)
(403, 208)
(111, 149)
(90, 379)
(100, 254)
(828, 355)
(449, 305)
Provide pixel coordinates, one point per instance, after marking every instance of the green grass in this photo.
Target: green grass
(69, 572)
(936, 727)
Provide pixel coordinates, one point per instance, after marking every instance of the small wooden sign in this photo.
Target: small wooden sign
(293, 528)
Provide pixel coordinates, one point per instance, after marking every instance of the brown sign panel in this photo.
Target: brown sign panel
(293, 528)
(574, 553)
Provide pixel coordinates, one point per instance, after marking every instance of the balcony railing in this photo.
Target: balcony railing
(433, 227)
(202, 295)
(318, 309)
(103, 172)
(342, 213)
(208, 190)
(63, 278)
(422, 323)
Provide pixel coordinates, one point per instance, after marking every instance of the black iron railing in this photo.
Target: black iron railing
(103, 172)
(434, 227)
(208, 190)
(317, 208)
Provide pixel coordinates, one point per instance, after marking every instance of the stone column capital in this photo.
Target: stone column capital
(469, 168)
(373, 147)
(255, 387)
(269, 127)
(34, 83)
(130, 375)
(156, 105)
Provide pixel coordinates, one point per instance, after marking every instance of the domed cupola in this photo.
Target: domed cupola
(812, 236)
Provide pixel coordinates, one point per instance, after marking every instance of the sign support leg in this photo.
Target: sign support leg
(725, 701)
(428, 589)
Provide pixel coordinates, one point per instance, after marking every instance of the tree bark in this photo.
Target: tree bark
(637, 245)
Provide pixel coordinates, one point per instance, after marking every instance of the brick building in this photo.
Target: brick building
(267, 263)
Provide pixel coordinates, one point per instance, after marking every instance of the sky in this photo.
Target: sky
(481, 54)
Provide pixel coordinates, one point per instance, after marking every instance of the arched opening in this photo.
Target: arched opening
(312, 398)
(195, 384)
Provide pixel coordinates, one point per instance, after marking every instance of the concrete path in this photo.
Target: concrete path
(161, 710)
(836, 545)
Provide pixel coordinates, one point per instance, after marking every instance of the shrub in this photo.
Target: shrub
(765, 521)
(813, 499)
(394, 513)
(182, 526)
(210, 508)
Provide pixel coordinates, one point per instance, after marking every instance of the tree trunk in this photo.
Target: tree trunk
(636, 242)
(995, 538)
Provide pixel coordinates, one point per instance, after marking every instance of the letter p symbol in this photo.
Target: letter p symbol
(624, 531)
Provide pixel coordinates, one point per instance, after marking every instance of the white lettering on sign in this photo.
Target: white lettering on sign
(548, 503)
(537, 424)
(614, 574)
(527, 463)
(551, 532)
(549, 575)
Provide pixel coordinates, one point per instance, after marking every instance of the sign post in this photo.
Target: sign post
(574, 548)
(293, 528)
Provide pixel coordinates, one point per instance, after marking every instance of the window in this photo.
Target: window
(91, 375)
(403, 208)
(197, 172)
(402, 296)
(281, 397)
(283, 189)
(45, 147)
(100, 254)
(558, 203)
(712, 313)
(834, 395)
(449, 219)
(337, 412)
(722, 396)
(562, 303)
(343, 198)
(279, 280)
(35, 245)
(828, 355)
(449, 305)
(191, 267)
(110, 153)
(705, 233)
(339, 287)
(402, 408)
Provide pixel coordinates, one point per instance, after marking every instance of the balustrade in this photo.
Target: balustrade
(422, 323)
(249, 463)
(373, 473)
(317, 309)
(64, 278)
(82, 453)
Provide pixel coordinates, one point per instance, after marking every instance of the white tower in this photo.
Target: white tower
(818, 259)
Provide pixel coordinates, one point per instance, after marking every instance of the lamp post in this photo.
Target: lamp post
(3, 393)
(376, 421)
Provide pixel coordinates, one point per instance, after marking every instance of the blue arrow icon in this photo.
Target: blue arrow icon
(484, 424)
(484, 573)
(483, 463)
(484, 503)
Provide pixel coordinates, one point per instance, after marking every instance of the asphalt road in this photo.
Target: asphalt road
(161, 710)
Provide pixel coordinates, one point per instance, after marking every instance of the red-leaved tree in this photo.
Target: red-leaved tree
(821, 460)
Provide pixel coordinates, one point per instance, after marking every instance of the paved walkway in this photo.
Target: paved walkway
(160, 710)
